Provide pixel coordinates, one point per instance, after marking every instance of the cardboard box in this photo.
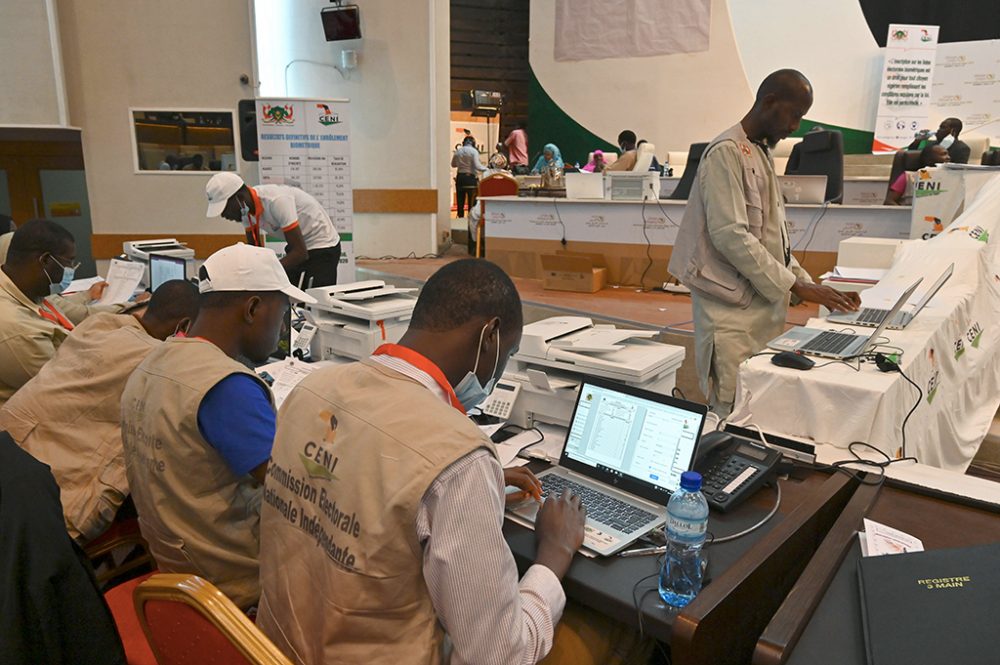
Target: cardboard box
(571, 271)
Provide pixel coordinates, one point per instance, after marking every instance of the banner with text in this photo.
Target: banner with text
(967, 86)
(904, 101)
(305, 143)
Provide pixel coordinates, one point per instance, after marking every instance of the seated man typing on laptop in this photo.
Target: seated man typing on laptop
(381, 527)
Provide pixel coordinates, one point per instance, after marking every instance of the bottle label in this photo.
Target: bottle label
(686, 528)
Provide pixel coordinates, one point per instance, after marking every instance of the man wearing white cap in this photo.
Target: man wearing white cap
(312, 250)
(198, 426)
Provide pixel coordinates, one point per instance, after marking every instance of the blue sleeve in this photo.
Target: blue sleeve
(237, 419)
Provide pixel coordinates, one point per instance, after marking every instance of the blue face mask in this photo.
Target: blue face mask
(69, 272)
(469, 391)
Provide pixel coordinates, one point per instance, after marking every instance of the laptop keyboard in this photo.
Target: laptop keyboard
(601, 507)
(829, 342)
(875, 316)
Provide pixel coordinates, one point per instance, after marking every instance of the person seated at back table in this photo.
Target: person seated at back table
(550, 158)
(901, 190)
(596, 163)
(627, 144)
(198, 425)
(68, 415)
(947, 137)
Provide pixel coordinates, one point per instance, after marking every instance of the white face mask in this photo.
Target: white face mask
(947, 141)
(244, 210)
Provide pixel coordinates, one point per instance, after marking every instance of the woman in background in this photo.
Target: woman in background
(550, 157)
(596, 163)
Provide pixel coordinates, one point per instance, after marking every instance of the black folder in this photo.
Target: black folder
(941, 606)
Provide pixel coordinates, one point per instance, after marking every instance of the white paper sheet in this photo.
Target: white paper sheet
(81, 284)
(287, 374)
(879, 539)
(123, 279)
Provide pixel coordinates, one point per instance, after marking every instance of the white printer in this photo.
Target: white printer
(354, 319)
(139, 251)
(556, 354)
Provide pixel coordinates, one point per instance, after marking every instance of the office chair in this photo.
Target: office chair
(904, 160)
(683, 189)
(644, 157)
(188, 620)
(990, 158)
(821, 153)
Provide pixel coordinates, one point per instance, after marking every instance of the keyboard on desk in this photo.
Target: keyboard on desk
(829, 342)
(868, 315)
(601, 508)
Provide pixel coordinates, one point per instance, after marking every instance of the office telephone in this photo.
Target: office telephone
(733, 468)
(500, 403)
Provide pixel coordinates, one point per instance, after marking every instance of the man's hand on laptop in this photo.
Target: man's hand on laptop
(523, 479)
(832, 299)
(559, 531)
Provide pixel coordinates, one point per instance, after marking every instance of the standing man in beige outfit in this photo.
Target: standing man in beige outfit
(68, 415)
(732, 249)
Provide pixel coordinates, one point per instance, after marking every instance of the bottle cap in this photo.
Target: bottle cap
(691, 481)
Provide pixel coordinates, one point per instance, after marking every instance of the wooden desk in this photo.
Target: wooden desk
(518, 230)
(834, 632)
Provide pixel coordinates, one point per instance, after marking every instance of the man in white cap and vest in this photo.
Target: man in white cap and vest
(68, 415)
(198, 425)
(732, 248)
(312, 244)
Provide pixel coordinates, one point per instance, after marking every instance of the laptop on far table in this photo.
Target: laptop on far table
(870, 317)
(834, 344)
(625, 451)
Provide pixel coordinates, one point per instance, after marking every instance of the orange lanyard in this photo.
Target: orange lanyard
(423, 364)
(254, 227)
(50, 313)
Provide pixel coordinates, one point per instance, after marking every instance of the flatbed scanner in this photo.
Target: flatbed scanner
(557, 354)
(352, 320)
(139, 251)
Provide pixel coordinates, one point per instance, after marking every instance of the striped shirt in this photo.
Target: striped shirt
(489, 616)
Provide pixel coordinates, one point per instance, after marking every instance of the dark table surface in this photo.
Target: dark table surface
(625, 588)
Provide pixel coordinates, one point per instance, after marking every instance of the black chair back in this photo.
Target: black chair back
(821, 153)
(683, 189)
(905, 160)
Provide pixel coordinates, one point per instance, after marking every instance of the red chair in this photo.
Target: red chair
(188, 621)
(496, 184)
(119, 599)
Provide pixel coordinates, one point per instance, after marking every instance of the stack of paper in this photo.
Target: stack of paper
(878, 539)
(123, 279)
(863, 275)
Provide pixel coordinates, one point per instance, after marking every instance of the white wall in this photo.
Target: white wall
(146, 53)
(28, 74)
(399, 102)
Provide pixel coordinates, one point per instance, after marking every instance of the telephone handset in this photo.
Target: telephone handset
(500, 403)
(733, 468)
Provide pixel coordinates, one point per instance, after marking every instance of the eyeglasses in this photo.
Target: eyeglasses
(72, 266)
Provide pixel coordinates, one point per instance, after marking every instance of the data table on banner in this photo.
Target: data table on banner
(325, 177)
(520, 229)
(950, 352)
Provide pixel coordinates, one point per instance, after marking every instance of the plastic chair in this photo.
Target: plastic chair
(187, 621)
(119, 600)
(496, 184)
(124, 533)
(683, 189)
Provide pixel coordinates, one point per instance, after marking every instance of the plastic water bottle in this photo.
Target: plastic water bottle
(687, 524)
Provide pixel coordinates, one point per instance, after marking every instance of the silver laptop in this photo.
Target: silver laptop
(834, 344)
(625, 451)
(870, 317)
(803, 188)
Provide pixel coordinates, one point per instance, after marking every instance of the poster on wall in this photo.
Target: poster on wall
(306, 143)
(904, 100)
(967, 86)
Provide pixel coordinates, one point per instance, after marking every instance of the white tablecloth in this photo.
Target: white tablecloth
(951, 350)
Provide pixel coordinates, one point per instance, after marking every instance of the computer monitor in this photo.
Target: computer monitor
(163, 268)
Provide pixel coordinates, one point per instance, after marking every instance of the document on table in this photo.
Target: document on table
(286, 374)
(878, 539)
(123, 279)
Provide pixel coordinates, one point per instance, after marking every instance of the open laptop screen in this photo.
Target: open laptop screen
(163, 268)
(632, 438)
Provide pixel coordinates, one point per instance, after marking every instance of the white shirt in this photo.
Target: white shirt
(466, 160)
(489, 616)
(283, 207)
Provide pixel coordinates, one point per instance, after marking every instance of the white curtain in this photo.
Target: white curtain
(598, 29)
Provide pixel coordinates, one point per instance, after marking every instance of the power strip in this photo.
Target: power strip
(675, 288)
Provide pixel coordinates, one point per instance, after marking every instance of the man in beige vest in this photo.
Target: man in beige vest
(732, 249)
(31, 327)
(384, 503)
(68, 416)
(198, 425)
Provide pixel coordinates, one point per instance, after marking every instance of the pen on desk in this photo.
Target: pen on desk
(643, 551)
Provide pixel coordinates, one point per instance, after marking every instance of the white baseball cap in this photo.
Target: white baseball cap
(220, 187)
(243, 267)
